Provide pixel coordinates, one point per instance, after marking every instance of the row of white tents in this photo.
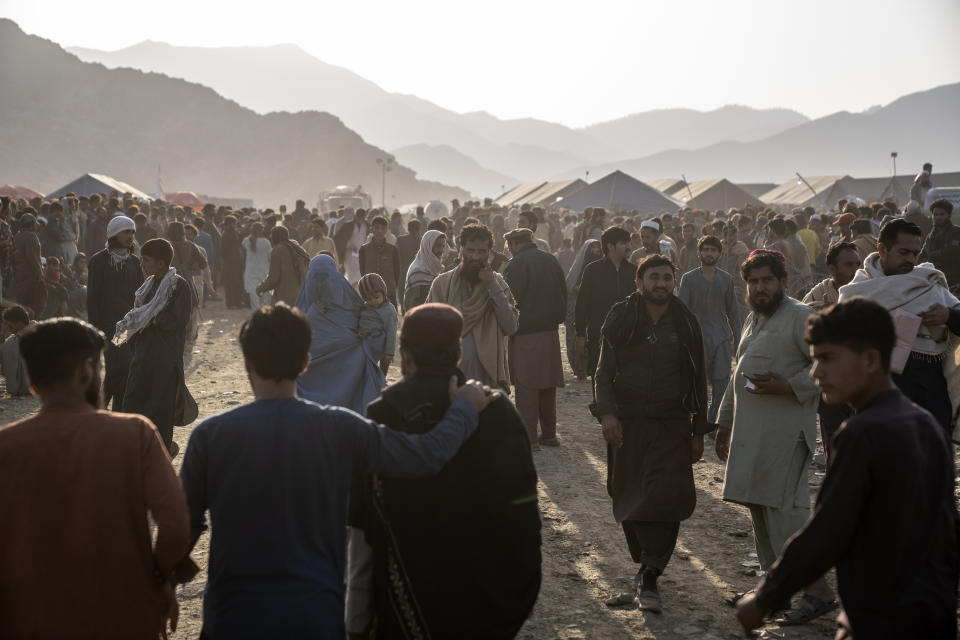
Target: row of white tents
(618, 191)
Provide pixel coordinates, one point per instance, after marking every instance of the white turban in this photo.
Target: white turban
(650, 224)
(118, 224)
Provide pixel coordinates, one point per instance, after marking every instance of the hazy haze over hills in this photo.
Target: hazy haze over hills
(286, 78)
(60, 117)
(920, 127)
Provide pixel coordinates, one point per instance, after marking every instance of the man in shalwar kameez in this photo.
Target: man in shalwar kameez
(651, 400)
(768, 421)
(710, 295)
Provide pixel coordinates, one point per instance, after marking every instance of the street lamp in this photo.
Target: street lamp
(893, 156)
(386, 164)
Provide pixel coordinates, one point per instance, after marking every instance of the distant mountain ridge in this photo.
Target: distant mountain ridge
(920, 127)
(287, 78)
(125, 123)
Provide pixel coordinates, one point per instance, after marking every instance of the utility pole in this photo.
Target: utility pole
(386, 164)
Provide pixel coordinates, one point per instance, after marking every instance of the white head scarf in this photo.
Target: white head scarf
(426, 266)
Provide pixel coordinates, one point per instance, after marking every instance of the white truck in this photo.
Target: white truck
(343, 196)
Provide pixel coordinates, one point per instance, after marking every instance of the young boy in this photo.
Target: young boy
(378, 320)
(885, 516)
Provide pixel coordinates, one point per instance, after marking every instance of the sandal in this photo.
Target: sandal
(808, 608)
(735, 599)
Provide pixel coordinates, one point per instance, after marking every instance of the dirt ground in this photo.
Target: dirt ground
(585, 557)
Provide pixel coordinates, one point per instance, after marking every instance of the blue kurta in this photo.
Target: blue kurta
(275, 475)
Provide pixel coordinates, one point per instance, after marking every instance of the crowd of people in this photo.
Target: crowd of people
(750, 328)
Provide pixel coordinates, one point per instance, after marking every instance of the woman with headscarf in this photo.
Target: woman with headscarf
(589, 252)
(257, 265)
(342, 370)
(424, 268)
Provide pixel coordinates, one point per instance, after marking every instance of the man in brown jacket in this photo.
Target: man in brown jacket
(288, 267)
(76, 558)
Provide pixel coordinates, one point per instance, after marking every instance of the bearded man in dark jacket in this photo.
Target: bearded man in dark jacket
(651, 400)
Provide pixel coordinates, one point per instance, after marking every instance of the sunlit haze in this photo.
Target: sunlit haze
(570, 62)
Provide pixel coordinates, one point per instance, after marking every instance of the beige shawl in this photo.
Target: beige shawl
(480, 319)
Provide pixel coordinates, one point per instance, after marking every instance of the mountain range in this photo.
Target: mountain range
(61, 117)
(287, 78)
(920, 127)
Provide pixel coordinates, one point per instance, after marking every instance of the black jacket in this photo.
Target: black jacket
(478, 517)
(540, 289)
(942, 248)
(110, 291)
(601, 287)
(627, 320)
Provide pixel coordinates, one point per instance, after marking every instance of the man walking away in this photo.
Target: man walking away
(12, 365)
(540, 289)
(483, 499)
(96, 475)
(885, 516)
(275, 475)
(651, 393)
(28, 288)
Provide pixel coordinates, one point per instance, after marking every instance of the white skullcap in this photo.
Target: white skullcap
(650, 224)
(816, 217)
(118, 224)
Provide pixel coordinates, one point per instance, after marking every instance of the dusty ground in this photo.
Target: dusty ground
(585, 556)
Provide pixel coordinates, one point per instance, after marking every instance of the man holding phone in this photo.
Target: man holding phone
(488, 308)
(768, 420)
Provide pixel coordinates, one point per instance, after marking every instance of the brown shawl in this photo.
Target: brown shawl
(479, 318)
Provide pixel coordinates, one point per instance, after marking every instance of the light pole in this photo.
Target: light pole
(893, 156)
(386, 164)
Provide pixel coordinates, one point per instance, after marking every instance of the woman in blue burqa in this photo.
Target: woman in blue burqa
(342, 371)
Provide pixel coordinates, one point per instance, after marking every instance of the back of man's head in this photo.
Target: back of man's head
(53, 349)
(275, 342)
(430, 336)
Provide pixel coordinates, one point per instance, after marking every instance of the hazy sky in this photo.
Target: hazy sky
(570, 62)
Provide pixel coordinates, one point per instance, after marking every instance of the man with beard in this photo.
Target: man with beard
(603, 283)
(709, 294)
(942, 246)
(891, 277)
(767, 423)
(156, 330)
(885, 515)
(484, 299)
(650, 242)
(538, 283)
(484, 499)
(651, 396)
(843, 260)
(97, 475)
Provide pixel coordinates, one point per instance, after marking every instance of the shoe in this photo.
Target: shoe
(649, 600)
(808, 608)
(550, 442)
(174, 450)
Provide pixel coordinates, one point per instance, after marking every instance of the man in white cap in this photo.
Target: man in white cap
(114, 275)
(650, 231)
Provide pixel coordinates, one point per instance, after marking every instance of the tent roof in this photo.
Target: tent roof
(185, 199)
(620, 192)
(548, 193)
(756, 189)
(91, 183)
(510, 197)
(794, 192)
(668, 186)
(719, 193)
(16, 191)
